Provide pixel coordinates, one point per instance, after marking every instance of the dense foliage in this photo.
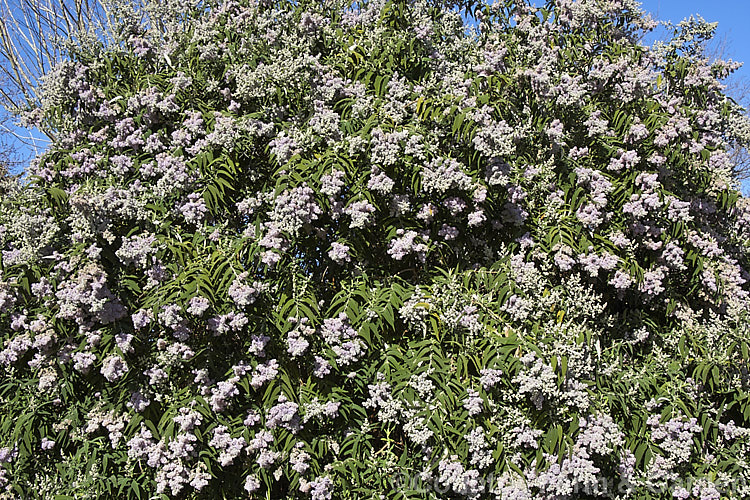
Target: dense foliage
(323, 250)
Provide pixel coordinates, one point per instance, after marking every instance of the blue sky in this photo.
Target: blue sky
(732, 16)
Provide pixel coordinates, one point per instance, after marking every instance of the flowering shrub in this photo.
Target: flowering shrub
(332, 250)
